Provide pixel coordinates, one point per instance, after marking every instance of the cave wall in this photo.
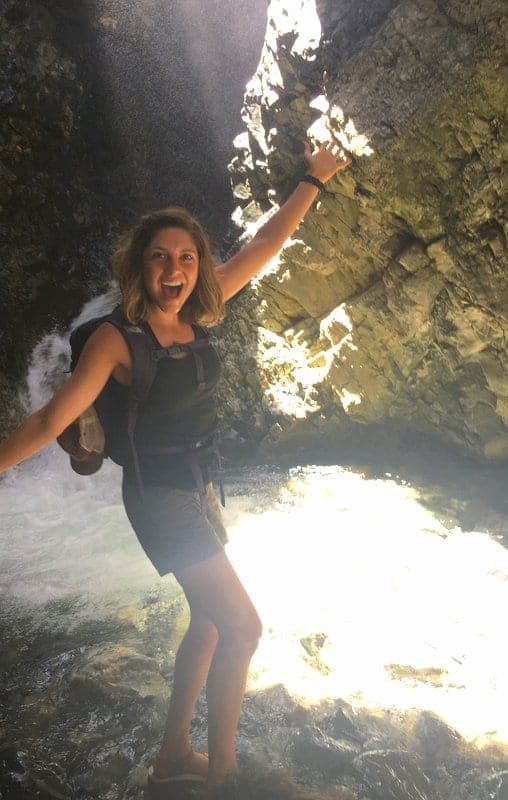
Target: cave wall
(388, 306)
(55, 215)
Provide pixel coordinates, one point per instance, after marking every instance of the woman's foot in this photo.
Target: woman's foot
(223, 767)
(192, 766)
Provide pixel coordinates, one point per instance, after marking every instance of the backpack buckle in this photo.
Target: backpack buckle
(177, 349)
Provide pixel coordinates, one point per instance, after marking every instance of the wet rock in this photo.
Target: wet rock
(264, 725)
(342, 725)
(312, 645)
(386, 729)
(497, 786)
(434, 676)
(9, 759)
(255, 783)
(331, 756)
(115, 673)
(436, 741)
(50, 782)
(108, 718)
(395, 775)
(24, 778)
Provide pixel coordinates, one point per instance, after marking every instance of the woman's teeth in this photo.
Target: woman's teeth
(172, 290)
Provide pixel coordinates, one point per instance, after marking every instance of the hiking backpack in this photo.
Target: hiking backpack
(106, 429)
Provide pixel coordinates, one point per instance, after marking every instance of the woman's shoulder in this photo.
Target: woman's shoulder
(108, 340)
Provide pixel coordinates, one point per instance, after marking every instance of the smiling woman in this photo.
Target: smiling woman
(169, 288)
(151, 246)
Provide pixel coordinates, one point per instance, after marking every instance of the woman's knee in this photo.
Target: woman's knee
(243, 631)
(213, 587)
(202, 628)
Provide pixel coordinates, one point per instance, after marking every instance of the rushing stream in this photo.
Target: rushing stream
(383, 663)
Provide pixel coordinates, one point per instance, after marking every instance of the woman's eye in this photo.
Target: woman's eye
(158, 255)
(187, 257)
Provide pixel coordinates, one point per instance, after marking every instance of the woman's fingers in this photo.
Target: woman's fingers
(337, 152)
(332, 148)
(341, 157)
(328, 159)
(344, 160)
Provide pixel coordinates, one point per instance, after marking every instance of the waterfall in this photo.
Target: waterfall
(51, 357)
(66, 535)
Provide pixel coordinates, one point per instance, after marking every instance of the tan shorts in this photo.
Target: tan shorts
(170, 525)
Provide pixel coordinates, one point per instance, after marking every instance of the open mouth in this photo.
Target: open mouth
(172, 290)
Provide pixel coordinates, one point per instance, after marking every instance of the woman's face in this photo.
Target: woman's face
(170, 268)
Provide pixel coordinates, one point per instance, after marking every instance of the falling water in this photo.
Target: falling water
(64, 534)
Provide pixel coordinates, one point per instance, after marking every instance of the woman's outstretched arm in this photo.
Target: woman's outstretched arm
(103, 351)
(234, 274)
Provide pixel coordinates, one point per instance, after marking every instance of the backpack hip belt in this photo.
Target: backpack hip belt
(189, 453)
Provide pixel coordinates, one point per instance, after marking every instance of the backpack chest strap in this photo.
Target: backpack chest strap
(191, 348)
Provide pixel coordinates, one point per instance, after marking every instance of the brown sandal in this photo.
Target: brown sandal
(180, 772)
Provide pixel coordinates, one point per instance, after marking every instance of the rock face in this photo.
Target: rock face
(390, 303)
(53, 199)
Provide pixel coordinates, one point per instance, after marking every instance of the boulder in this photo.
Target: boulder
(117, 673)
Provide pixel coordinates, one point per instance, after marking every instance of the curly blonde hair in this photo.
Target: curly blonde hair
(205, 305)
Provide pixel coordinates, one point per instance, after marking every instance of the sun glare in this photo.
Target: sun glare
(295, 16)
(366, 596)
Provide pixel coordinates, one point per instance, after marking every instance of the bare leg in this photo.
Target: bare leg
(225, 691)
(191, 668)
(214, 587)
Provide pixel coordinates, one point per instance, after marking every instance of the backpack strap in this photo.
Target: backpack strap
(142, 352)
(144, 366)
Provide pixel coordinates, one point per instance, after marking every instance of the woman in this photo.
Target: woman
(167, 280)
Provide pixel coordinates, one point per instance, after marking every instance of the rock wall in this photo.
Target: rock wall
(389, 305)
(57, 166)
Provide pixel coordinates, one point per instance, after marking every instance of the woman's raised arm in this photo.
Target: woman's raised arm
(234, 274)
(104, 350)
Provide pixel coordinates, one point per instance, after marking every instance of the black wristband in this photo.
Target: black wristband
(315, 181)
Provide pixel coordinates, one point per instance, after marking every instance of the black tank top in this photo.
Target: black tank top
(175, 413)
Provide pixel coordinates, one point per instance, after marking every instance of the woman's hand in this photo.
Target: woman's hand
(244, 265)
(326, 161)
